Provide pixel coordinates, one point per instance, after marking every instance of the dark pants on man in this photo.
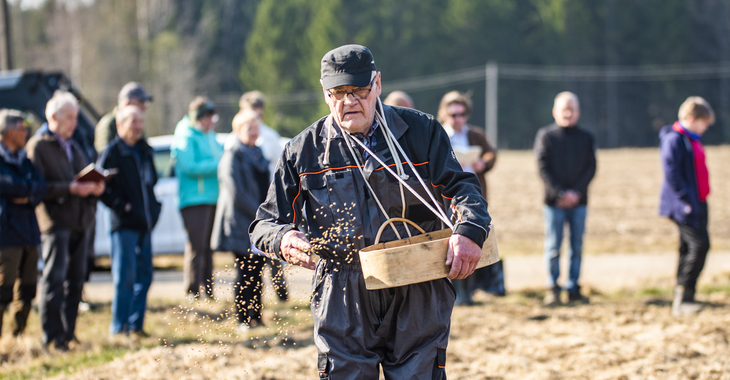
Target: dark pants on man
(198, 266)
(694, 243)
(402, 331)
(62, 281)
(248, 287)
(18, 281)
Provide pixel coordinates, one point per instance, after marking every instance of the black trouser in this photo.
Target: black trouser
(62, 281)
(403, 330)
(248, 287)
(18, 281)
(694, 243)
(198, 266)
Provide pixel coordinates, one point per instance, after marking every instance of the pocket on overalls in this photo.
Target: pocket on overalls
(323, 366)
(439, 366)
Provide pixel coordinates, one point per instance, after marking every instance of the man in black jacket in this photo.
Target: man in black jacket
(130, 196)
(567, 162)
(21, 189)
(347, 195)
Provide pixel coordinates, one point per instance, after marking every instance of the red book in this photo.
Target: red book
(92, 174)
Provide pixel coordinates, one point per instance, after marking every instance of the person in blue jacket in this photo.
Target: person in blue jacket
(21, 189)
(196, 154)
(684, 196)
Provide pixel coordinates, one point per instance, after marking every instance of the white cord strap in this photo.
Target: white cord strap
(389, 136)
(360, 165)
(427, 204)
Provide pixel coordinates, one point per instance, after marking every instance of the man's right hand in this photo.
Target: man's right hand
(295, 249)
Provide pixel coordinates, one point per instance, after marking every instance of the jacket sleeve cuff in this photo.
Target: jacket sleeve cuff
(474, 232)
(277, 241)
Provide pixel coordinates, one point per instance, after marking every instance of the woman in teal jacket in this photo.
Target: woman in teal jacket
(196, 154)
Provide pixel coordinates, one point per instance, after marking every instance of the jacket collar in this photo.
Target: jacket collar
(126, 150)
(8, 157)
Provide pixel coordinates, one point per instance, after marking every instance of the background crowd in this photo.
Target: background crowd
(44, 203)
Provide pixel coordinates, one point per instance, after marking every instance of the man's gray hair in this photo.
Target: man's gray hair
(59, 100)
(567, 95)
(9, 119)
(126, 112)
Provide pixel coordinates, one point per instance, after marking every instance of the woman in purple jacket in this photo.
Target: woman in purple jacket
(684, 196)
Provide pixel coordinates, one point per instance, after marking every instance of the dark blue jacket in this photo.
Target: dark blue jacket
(19, 179)
(679, 198)
(133, 184)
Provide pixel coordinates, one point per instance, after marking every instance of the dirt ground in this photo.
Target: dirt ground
(622, 205)
(631, 336)
(622, 334)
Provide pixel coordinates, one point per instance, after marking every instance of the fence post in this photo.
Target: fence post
(491, 100)
(6, 57)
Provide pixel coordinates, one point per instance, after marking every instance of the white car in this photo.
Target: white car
(169, 235)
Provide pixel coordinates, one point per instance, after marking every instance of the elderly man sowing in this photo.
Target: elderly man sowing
(331, 170)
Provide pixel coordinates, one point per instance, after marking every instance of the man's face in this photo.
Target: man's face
(566, 112)
(131, 129)
(16, 136)
(141, 104)
(456, 116)
(63, 123)
(352, 114)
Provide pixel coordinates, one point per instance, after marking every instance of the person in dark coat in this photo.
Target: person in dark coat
(243, 178)
(65, 217)
(21, 189)
(335, 171)
(453, 114)
(684, 195)
(566, 160)
(131, 198)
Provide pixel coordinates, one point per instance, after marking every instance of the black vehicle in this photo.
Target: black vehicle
(29, 91)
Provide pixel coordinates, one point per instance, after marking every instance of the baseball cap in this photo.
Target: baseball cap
(134, 90)
(348, 65)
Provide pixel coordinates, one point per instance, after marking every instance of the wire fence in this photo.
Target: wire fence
(621, 105)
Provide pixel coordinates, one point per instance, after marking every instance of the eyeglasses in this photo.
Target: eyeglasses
(358, 94)
(455, 115)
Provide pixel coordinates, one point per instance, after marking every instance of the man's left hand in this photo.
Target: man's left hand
(463, 256)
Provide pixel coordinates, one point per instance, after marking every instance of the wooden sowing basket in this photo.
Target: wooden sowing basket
(417, 259)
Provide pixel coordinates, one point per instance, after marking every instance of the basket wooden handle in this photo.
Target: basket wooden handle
(391, 220)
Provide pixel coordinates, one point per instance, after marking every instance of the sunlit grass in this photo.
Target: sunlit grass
(169, 324)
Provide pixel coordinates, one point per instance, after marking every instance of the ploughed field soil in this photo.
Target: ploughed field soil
(630, 335)
(622, 334)
(623, 202)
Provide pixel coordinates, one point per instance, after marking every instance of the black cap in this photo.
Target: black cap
(134, 90)
(348, 65)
